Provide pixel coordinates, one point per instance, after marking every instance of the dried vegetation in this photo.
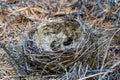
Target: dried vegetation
(98, 58)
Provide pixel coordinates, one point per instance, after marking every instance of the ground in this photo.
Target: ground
(18, 17)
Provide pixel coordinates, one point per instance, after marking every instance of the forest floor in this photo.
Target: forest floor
(17, 17)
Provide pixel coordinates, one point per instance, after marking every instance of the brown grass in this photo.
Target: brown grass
(91, 62)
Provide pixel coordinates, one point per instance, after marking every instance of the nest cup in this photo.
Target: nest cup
(60, 46)
(53, 45)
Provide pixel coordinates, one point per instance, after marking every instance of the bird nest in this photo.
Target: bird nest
(51, 47)
(59, 46)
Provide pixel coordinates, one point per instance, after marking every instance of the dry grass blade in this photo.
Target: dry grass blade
(97, 74)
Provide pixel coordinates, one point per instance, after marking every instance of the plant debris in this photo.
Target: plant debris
(27, 56)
